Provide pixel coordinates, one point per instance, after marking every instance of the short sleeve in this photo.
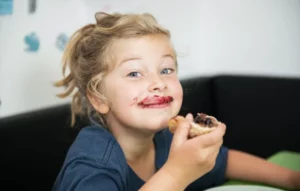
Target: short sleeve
(219, 171)
(87, 175)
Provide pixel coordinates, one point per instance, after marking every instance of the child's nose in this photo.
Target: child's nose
(157, 84)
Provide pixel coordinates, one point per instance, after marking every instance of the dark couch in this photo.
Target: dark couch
(261, 113)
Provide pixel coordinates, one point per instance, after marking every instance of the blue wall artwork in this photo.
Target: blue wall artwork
(6, 7)
(32, 42)
(61, 41)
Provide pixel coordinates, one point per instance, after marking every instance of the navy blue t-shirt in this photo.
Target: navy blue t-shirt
(95, 161)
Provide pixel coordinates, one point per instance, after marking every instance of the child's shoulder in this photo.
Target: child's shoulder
(97, 144)
(94, 158)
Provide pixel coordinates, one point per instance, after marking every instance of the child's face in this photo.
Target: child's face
(143, 88)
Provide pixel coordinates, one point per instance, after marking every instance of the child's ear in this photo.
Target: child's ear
(100, 105)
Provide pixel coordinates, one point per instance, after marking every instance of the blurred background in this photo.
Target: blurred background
(253, 37)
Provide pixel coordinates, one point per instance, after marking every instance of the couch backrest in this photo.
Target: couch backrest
(33, 146)
(197, 96)
(261, 113)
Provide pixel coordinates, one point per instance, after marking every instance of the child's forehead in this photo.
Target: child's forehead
(157, 45)
(147, 40)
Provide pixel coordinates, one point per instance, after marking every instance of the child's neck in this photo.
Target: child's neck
(139, 150)
(140, 155)
(135, 147)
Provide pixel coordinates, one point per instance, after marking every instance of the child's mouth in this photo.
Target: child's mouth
(156, 101)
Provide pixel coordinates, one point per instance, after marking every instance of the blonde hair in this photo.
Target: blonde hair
(88, 59)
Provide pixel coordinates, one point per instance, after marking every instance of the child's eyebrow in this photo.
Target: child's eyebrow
(129, 59)
(139, 58)
(168, 55)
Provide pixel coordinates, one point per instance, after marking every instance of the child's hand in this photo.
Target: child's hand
(190, 159)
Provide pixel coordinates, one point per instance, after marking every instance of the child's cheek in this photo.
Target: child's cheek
(176, 88)
(135, 98)
(134, 101)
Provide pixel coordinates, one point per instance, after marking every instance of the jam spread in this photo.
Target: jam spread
(204, 120)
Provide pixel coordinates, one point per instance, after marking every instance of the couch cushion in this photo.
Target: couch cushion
(261, 113)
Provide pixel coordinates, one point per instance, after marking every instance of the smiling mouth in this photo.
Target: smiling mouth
(156, 101)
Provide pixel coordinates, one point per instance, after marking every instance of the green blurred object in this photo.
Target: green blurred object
(286, 159)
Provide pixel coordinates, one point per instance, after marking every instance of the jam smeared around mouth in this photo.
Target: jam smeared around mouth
(204, 120)
(156, 100)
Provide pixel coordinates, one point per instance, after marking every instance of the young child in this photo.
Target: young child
(124, 72)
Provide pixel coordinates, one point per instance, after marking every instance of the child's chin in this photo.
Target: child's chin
(153, 130)
(159, 120)
(156, 126)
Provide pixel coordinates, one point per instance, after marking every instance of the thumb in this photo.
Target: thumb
(211, 138)
(182, 132)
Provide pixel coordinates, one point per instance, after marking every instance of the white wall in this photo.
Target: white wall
(250, 36)
(26, 78)
(260, 37)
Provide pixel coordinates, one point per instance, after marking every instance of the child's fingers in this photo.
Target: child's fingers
(212, 138)
(189, 117)
(182, 131)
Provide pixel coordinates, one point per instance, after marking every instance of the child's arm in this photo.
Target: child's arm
(243, 166)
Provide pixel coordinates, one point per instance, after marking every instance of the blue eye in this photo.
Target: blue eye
(134, 74)
(167, 71)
